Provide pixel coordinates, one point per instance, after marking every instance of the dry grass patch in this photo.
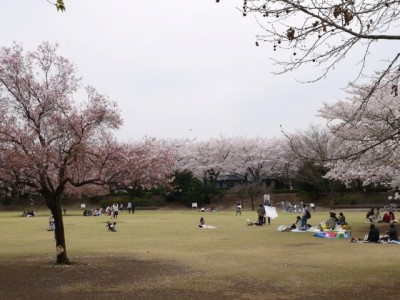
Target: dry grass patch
(164, 255)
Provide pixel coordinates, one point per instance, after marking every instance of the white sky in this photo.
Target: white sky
(176, 68)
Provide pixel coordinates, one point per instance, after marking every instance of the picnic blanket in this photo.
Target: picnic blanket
(311, 229)
(332, 235)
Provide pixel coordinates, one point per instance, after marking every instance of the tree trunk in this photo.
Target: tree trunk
(331, 193)
(61, 250)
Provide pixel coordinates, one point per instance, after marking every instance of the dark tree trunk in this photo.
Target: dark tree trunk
(54, 203)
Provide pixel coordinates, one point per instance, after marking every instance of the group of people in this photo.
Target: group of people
(209, 209)
(131, 206)
(331, 223)
(333, 220)
(262, 216)
(111, 226)
(28, 213)
(296, 207)
(96, 212)
(111, 211)
(374, 215)
(301, 222)
(374, 235)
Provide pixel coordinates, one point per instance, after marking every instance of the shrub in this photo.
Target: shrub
(285, 191)
(353, 202)
(95, 199)
(377, 189)
(6, 201)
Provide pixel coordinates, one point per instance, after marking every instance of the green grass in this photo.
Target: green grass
(234, 250)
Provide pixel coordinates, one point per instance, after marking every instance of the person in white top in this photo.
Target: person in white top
(115, 210)
(239, 209)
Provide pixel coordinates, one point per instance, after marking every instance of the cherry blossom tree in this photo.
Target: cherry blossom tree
(209, 159)
(52, 145)
(257, 158)
(316, 143)
(252, 158)
(369, 134)
(150, 164)
(181, 151)
(315, 148)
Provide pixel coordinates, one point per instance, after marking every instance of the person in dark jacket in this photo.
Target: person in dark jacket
(261, 213)
(341, 219)
(392, 233)
(370, 215)
(373, 235)
(297, 224)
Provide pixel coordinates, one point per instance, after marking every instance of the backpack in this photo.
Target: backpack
(308, 214)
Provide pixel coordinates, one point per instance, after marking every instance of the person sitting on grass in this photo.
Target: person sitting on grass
(391, 234)
(331, 222)
(87, 213)
(370, 217)
(202, 224)
(386, 217)
(297, 224)
(28, 213)
(341, 219)
(111, 226)
(377, 216)
(52, 224)
(373, 236)
(391, 216)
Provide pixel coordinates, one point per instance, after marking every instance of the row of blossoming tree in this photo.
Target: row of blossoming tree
(54, 145)
(359, 143)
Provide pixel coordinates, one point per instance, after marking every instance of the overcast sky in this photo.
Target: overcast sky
(176, 68)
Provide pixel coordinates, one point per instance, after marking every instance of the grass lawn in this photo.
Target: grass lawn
(234, 260)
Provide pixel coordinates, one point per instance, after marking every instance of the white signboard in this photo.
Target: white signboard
(271, 212)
